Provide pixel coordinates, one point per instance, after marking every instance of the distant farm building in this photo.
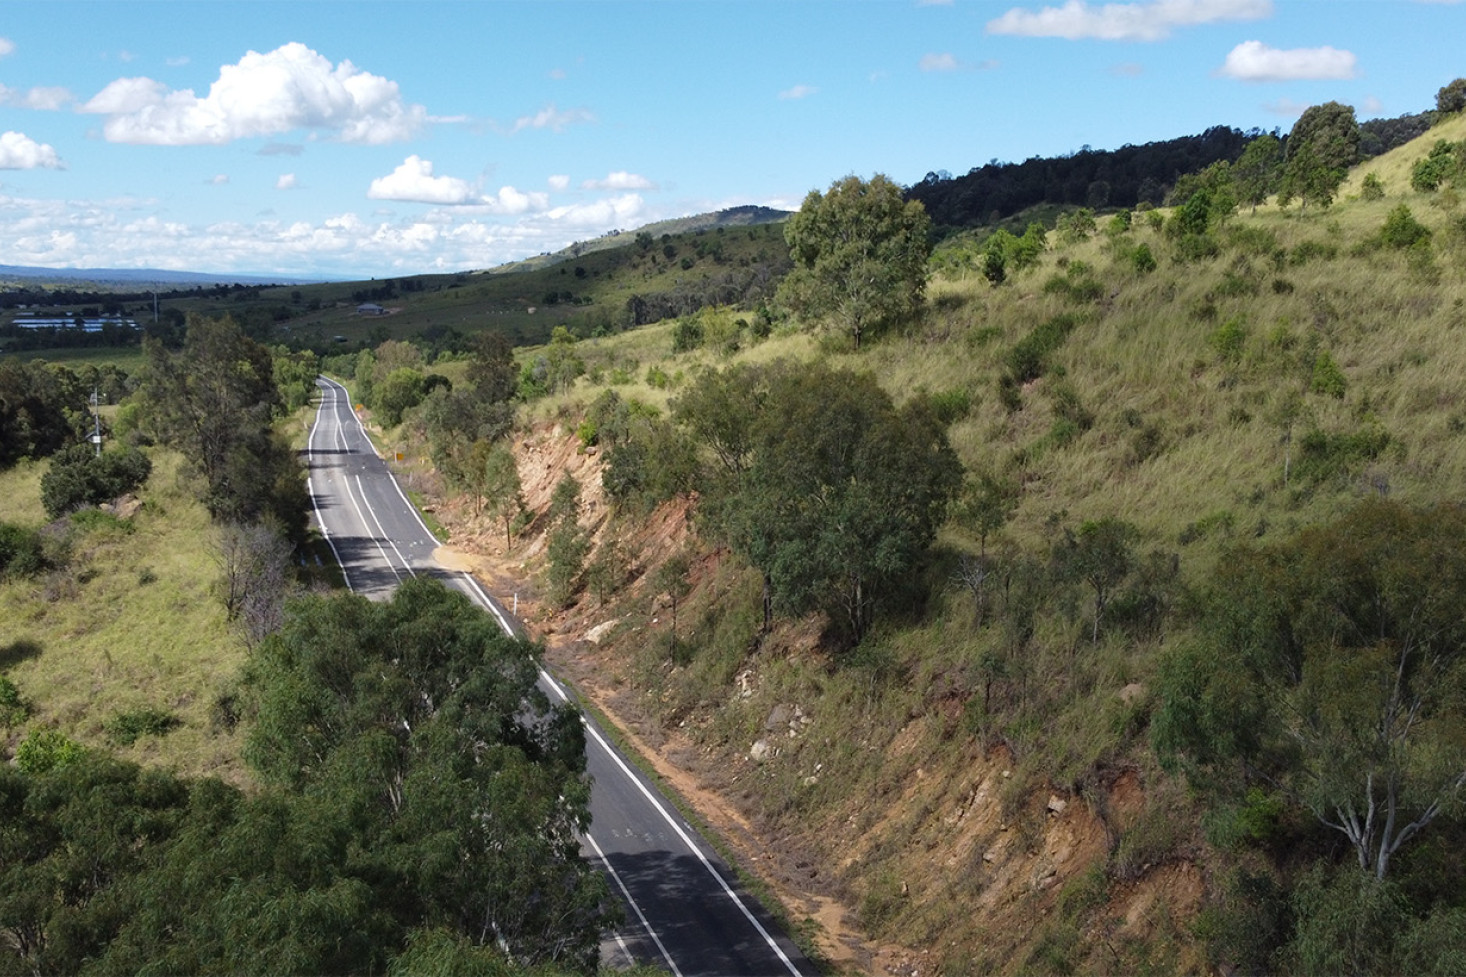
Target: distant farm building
(370, 308)
(85, 324)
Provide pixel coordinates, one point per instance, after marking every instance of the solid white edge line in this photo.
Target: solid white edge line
(723, 883)
(646, 792)
(309, 487)
(639, 915)
(395, 484)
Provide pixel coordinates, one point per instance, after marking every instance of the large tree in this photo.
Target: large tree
(1333, 674)
(1255, 174)
(1322, 146)
(216, 401)
(860, 253)
(832, 492)
(42, 409)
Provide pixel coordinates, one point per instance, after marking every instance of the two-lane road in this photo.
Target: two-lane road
(684, 908)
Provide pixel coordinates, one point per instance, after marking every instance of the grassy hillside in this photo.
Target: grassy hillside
(129, 624)
(993, 800)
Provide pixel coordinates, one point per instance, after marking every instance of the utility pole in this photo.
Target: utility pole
(97, 420)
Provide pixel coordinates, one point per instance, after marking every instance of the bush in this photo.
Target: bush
(45, 750)
(1372, 188)
(80, 477)
(1402, 230)
(1229, 339)
(13, 709)
(127, 728)
(1142, 260)
(1029, 358)
(1328, 379)
(1445, 163)
(22, 552)
(687, 335)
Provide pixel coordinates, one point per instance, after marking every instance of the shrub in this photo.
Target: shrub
(1451, 97)
(22, 552)
(686, 335)
(13, 709)
(1402, 230)
(1372, 188)
(1306, 251)
(80, 477)
(127, 728)
(1028, 359)
(1444, 163)
(1327, 379)
(44, 750)
(1322, 455)
(1142, 260)
(1229, 339)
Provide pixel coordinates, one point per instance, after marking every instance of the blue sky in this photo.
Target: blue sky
(353, 140)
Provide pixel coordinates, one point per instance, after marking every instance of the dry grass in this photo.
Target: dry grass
(1185, 440)
(131, 623)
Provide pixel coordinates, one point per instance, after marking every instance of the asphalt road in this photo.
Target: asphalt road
(684, 909)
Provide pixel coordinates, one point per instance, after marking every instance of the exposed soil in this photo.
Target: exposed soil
(1023, 867)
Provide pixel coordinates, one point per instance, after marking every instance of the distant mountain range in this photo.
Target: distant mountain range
(138, 278)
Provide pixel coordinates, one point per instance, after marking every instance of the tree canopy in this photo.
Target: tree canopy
(828, 488)
(1335, 676)
(1321, 147)
(421, 803)
(216, 401)
(860, 254)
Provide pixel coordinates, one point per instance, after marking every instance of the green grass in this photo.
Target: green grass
(1186, 442)
(131, 626)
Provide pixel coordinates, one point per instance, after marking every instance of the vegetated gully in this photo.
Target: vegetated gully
(684, 908)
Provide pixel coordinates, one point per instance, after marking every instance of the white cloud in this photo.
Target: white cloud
(218, 179)
(620, 180)
(44, 99)
(600, 214)
(177, 62)
(1255, 61)
(287, 181)
(1372, 105)
(559, 181)
(511, 201)
(1152, 21)
(290, 88)
(7, 47)
(130, 234)
(1128, 69)
(20, 152)
(552, 118)
(414, 181)
(797, 92)
(948, 62)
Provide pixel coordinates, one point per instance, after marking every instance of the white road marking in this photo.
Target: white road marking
(639, 915)
(485, 602)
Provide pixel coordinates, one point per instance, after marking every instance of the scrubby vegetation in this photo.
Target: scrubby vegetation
(1088, 609)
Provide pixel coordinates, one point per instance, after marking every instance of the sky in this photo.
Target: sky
(349, 140)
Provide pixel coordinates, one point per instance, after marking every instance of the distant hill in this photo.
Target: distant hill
(135, 278)
(1111, 178)
(731, 217)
